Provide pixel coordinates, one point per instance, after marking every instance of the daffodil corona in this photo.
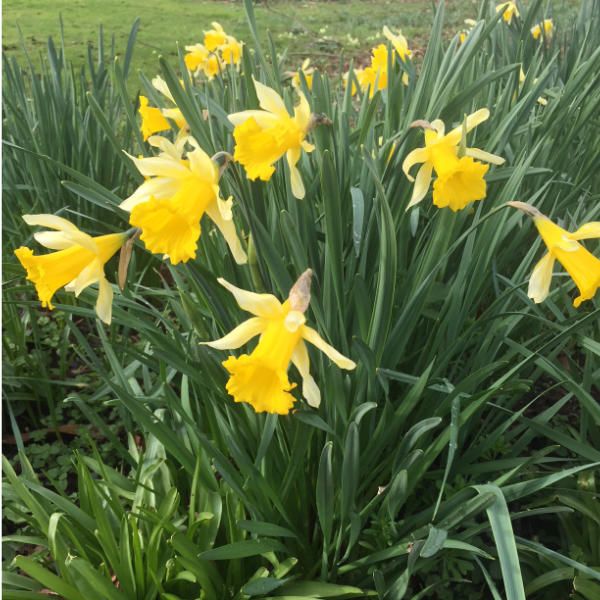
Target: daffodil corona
(564, 246)
(178, 191)
(261, 377)
(262, 137)
(78, 263)
(460, 179)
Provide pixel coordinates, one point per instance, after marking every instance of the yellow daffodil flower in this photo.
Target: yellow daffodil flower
(308, 71)
(154, 119)
(196, 57)
(462, 35)
(215, 37)
(78, 263)
(177, 192)
(262, 137)
(508, 10)
(261, 377)
(231, 51)
(461, 181)
(547, 26)
(399, 42)
(582, 265)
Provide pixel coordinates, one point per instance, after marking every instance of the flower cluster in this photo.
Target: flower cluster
(217, 51)
(182, 185)
(375, 76)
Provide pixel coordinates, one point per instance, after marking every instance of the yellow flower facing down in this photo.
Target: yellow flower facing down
(262, 137)
(508, 10)
(178, 191)
(77, 263)
(261, 377)
(307, 71)
(461, 180)
(546, 26)
(564, 247)
(231, 51)
(154, 119)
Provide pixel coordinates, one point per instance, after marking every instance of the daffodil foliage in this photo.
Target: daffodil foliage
(357, 331)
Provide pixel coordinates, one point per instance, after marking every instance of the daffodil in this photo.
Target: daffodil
(196, 57)
(564, 246)
(462, 35)
(508, 10)
(178, 191)
(262, 137)
(154, 119)
(399, 43)
(78, 263)
(461, 181)
(307, 71)
(546, 26)
(215, 37)
(261, 377)
(231, 51)
(522, 77)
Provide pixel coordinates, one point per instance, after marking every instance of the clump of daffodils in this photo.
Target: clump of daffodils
(261, 377)
(458, 169)
(564, 247)
(374, 77)
(218, 50)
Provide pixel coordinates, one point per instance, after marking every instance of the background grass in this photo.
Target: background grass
(323, 30)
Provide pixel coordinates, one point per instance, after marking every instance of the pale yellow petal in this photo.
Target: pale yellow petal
(586, 232)
(55, 240)
(293, 156)
(310, 390)
(421, 186)
(261, 305)
(89, 275)
(311, 336)
(161, 85)
(419, 155)
(474, 119)
(539, 282)
(293, 320)
(104, 302)
(269, 99)
(239, 336)
(159, 188)
(264, 119)
(69, 230)
(229, 233)
(484, 156)
(159, 166)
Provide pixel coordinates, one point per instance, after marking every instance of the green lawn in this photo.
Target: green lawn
(320, 29)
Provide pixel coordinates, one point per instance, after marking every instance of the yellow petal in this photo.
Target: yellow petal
(159, 188)
(421, 184)
(419, 155)
(310, 390)
(484, 156)
(261, 305)
(104, 301)
(228, 231)
(89, 275)
(269, 99)
(539, 282)
(586, 232)
(241, 335)
(474, 119)
(69, 230)
(311, 336)
(55, 240)
(293, 156)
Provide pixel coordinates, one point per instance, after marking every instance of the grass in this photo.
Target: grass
(323, 30)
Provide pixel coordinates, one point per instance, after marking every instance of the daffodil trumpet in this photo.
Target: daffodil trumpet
(181, 186)
(563, 246)
(155, 120)
(261, 377)
(77, 263)
(459, 169)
